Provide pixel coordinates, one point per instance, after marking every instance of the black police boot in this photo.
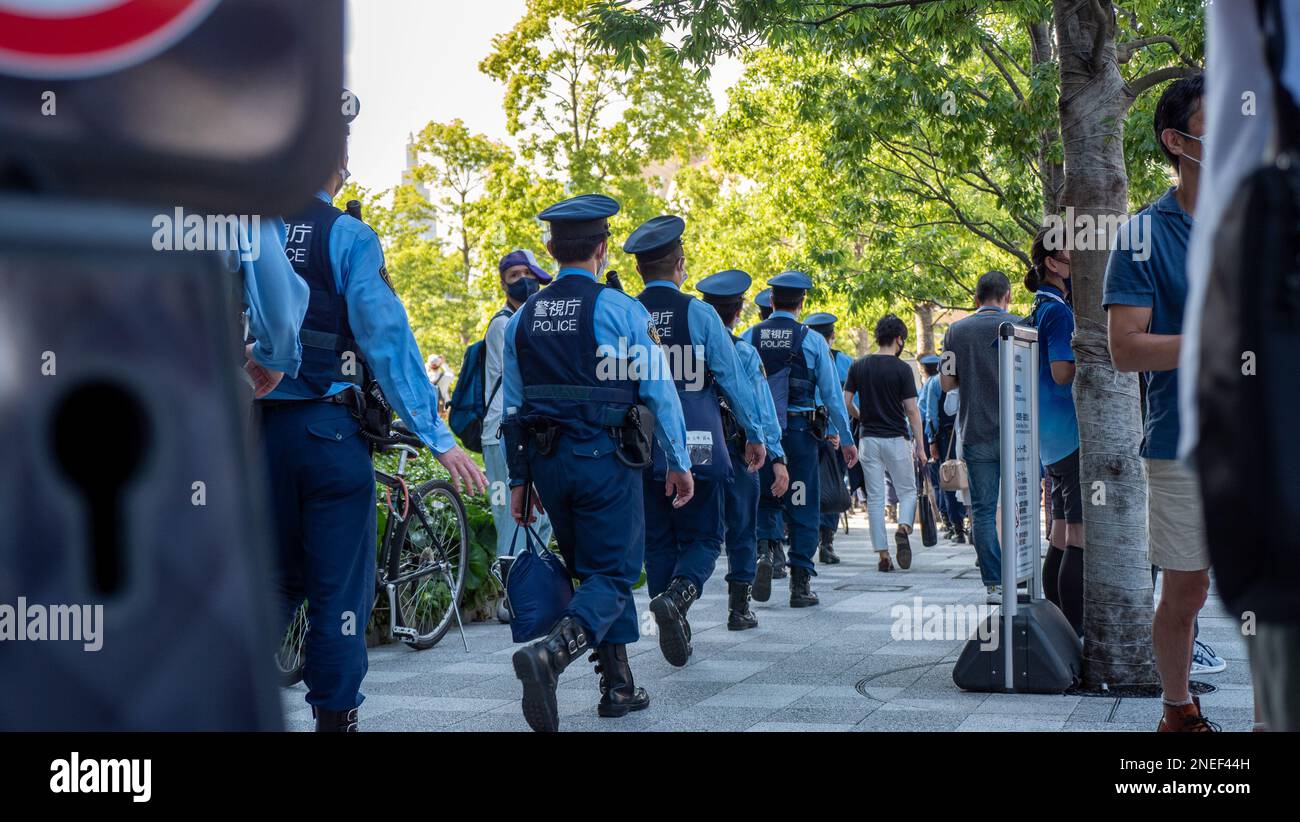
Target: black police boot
(961, 531)
(538, 667)
(763, 573)
(739, 617)
(778, 560)
(669, 609)
(618, 693)
(826, 548)
(333, 722)
(801, 595)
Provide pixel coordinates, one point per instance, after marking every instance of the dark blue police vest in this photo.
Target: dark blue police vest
(328, 349)
(670, 311)
(779, 341)
(555, 344)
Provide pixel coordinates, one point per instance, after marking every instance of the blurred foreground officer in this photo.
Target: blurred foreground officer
(824, 323)
(725, 291)
(574, 429)
(798, 366)
(682, 544)
(322, 480)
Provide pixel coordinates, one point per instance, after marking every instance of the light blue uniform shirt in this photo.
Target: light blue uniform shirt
(752, 365)
(930, 404)
(842, 364)
(276, 300)
(817, 355)
(617, 316)
(708, 332)
(382, 332)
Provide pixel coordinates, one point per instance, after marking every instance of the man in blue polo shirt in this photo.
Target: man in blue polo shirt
(1146, 287)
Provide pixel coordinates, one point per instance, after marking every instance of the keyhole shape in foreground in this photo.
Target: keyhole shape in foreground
(99, 438)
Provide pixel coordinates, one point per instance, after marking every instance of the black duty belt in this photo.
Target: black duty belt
(340, 398)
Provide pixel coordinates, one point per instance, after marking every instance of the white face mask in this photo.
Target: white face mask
(1200, 140)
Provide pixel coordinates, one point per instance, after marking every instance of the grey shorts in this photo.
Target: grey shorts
(1175, 523)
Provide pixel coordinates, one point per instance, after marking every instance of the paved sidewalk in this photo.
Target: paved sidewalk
(833, 668)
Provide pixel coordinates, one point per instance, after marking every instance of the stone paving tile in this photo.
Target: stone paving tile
(749, 695)
(799, 670)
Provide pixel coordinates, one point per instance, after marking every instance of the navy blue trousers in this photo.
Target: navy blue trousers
(802, 500)
(681, 542)
(595, 505)
(323, 495)
(740, 516)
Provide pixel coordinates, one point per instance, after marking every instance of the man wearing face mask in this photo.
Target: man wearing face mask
(521, 278)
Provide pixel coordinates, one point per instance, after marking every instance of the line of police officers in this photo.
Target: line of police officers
(650, 434)
(586, 369)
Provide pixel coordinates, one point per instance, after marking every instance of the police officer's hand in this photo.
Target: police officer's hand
(850, 453)
(755, 455)
(465, 474)
(264, 379)
(834, 440)
(681, 486)
(782, 481)
(517, 511)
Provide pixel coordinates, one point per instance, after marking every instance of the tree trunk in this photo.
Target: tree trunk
(924, 328)
(1117, 577)
(1050, 172)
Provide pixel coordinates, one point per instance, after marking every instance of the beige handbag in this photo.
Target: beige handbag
(952, 473)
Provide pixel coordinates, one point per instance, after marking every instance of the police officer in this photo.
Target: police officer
(682, 544)
(764, 303)
(321, 478)
(824, 323)
(798, 365)
(725, 291)
(275, 302)
(574, 428)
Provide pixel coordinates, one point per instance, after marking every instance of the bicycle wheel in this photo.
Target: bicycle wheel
(289, 657)
(432, 554)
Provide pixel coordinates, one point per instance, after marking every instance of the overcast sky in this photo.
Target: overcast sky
(412, 61)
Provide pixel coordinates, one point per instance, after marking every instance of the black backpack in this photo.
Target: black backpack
(1248, 436)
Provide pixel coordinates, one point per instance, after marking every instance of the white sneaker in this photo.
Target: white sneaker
(994, 595)
(1205, 660)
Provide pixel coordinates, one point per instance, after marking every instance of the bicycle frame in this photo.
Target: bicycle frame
(387, 579)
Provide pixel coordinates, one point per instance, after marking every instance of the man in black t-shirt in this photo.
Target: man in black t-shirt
(881, 394)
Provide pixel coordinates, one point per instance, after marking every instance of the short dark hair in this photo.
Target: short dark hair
(574, 249)
(992, 287)
(728, 308)
(1178, 104)
(826, 331)
(660, 269)
(785, 298)
(930, 368)
(890, 328)
(765, 311)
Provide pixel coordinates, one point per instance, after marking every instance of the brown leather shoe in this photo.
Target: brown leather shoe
(886, 564)
(1185, 719)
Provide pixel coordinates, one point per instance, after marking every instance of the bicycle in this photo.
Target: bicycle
(421, 565)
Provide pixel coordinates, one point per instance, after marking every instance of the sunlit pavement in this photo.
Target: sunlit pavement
(834, 667)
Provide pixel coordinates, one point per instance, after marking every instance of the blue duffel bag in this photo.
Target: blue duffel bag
(538, 587)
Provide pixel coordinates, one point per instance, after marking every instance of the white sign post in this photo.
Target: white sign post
(1021, 476)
